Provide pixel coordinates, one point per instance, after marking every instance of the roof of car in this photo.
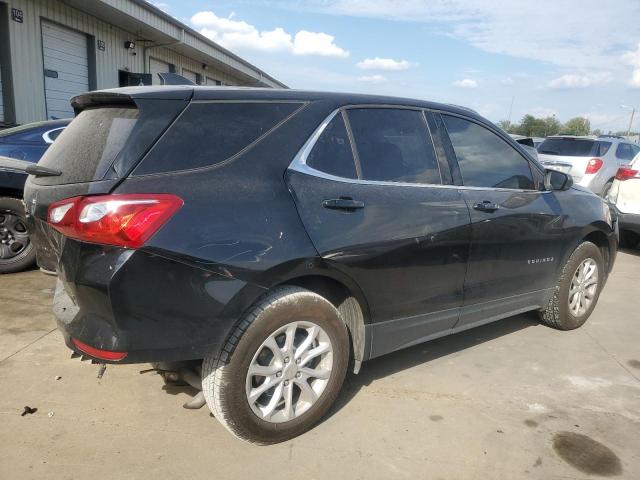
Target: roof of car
(185, 92)
(32, 126)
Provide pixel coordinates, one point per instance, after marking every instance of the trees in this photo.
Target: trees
(577, 126)
(531, 126)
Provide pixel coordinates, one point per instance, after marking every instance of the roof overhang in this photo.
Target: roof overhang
(154, 28)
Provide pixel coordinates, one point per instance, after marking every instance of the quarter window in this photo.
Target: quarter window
(394, 145)
(332, 152)
(485, 159)
(626, 151)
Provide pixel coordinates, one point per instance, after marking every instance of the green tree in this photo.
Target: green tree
(577, 126)
(505, 125)
(552, 126)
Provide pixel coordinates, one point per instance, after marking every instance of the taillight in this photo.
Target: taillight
(126, 220)
(97, 352)
(625, 173)
(593, 166)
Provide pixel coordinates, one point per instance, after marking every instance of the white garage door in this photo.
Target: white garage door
(1, 102)
(156, 67)
(213, 81)
(189, 75)
(66, 68)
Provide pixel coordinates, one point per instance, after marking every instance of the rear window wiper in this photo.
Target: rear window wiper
(39, 171)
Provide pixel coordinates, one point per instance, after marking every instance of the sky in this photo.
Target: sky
(503, 58)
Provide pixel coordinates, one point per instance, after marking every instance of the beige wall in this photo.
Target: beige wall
(26, 54)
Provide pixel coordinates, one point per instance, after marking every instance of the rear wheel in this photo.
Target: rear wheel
(281, 369)
(16, 250)
(576, 294)
(629, 239)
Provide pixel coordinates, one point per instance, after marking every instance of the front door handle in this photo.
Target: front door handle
(342, 203)
(486, 206)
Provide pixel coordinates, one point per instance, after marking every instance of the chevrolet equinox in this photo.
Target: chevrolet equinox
(278, 238)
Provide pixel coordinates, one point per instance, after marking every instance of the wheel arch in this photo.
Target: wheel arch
(351, 306)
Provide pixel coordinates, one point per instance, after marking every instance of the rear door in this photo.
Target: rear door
(369, 190)
(516, 228)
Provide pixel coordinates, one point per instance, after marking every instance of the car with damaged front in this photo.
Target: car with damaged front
(271, 240)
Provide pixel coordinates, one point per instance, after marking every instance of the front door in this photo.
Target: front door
(373, 203)
(517, 228)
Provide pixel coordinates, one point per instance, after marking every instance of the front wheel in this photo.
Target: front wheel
(281, 369)
(576, 294)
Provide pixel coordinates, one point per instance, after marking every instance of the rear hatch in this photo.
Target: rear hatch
(111, 133)
(571, 154)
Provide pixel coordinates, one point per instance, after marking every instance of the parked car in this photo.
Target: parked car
(537, 141)
(625, 196)
(30, 141)
(592, 162)
(24, 145)
(527, 143)
(277, 238)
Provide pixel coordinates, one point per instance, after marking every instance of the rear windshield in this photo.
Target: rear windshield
(574, 147)
(88, 146)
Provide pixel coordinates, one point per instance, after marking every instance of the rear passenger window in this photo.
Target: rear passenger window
(625, 152)
(485, 159)
(394, 145)
(332, 152)
(209, 133)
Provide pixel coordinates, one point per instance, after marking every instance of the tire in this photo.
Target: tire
(13, 229)
(559, 314)
(227, 386)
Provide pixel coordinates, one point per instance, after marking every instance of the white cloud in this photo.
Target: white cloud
(465, 83)
(311, 43)
(544, 112)
(574, 80)
(378, 63)
(372, 79)
(238, 34)
(507, 81)
(560, 33)
(161, 5)
(633, 58)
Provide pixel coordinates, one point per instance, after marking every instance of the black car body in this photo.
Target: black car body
(282, 187)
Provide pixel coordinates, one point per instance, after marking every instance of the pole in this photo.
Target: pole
(633, 112)
(510, 109)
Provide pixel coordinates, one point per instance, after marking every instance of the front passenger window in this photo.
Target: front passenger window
(485, 159)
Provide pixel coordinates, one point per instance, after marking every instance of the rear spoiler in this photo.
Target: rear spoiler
(127, 96)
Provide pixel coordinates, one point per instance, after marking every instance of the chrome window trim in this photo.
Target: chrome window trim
(299, 162)
(47, 139)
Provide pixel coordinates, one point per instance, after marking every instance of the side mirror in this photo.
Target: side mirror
(554, 180)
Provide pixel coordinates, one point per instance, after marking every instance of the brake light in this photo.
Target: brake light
(98, 353)
(625, 173)
(593, 166)
(126, 220)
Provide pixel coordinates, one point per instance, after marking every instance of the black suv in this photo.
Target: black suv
(282, 237)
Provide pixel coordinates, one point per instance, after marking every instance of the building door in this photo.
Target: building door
(189, 75)
(66, 68)
(156, 67)
(213, 81)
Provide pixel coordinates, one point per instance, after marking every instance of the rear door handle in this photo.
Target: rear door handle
(486, 206)
(342, 203)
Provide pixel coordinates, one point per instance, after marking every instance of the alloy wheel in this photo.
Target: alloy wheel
(14, 236)
(289, 372)
(583, 288)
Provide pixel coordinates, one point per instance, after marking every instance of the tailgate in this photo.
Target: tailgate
(110, 134)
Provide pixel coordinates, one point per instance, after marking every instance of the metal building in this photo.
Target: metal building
(51, 50)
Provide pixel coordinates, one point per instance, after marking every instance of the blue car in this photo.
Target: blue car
(29, 142)
(19, 148)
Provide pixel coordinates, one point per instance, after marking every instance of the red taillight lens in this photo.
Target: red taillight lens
(625, 173)
(126, 220)
(97, 353)
(593, 166)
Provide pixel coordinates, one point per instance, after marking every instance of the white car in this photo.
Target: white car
(625, 196)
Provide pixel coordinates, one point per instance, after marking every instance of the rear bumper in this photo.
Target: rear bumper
(153, 308)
